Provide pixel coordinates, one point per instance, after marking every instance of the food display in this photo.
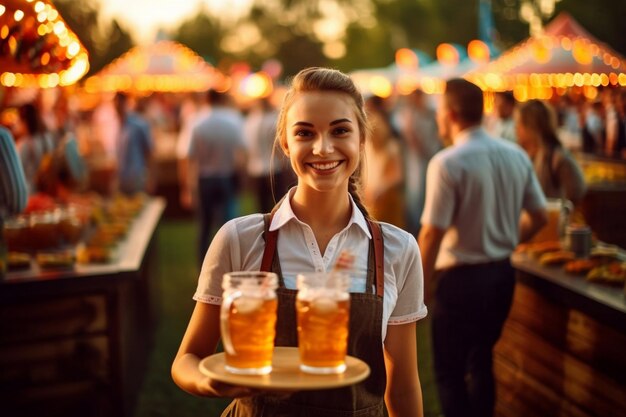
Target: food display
(581, 266)
(606, 264)
(60, 259)
(604, 172)
(18, 260)
(84, 229)
(613, 273)
(558, 257)
(536, 250)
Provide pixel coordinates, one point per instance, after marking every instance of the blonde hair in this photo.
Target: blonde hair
(325, 79)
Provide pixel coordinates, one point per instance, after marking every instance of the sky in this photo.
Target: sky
(143, 17)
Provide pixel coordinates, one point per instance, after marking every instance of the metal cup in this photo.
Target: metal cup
(578, 240)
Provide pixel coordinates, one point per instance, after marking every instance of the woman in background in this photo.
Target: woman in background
(557, 171)
(383, 192)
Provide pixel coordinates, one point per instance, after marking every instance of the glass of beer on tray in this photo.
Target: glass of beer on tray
(323, 313)
(248, 321)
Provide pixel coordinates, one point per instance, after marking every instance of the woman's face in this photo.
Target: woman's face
(323, 140)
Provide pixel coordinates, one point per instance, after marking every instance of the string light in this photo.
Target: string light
(128, 72)
(69, 58)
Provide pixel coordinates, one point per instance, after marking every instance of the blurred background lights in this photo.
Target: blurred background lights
(447, 54)
(406, 59)
(257, 85)
(380, 86)
(478, 51)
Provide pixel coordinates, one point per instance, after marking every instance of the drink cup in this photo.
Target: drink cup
(248, 321)
(578, 240)
(559, 211)
(323, 313)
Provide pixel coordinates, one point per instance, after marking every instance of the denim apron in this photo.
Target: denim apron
(365, 399)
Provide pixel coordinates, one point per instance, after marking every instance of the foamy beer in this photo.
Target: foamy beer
(323, 312)
(248, 321)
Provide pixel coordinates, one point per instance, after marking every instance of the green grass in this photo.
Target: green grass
(177, 275)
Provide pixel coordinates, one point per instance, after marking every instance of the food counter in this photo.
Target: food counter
(562, 349)
(75, 341)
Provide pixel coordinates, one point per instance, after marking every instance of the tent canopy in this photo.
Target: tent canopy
(164, 66)
(565, 55)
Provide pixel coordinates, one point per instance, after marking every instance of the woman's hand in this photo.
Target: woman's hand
(223, 389)
(214, 388)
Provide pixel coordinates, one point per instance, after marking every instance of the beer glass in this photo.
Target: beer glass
(559, 211)
(248, 321)
(323, 312)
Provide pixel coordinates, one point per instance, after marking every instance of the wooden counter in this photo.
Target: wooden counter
(562, 350)
(75, 342)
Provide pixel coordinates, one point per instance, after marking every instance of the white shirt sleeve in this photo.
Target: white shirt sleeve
(407, 268)
(219, 260)
(440, 196)
(237, 246)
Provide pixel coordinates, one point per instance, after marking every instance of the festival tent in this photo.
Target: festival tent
(452, 61)
(565, 55)
(163, 66)
(37, 48)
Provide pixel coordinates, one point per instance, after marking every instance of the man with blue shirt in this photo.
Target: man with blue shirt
(482, 199)
(134, 149)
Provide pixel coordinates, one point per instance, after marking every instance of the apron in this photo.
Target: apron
(365, 399)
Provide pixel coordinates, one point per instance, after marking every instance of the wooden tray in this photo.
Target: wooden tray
(286, 373)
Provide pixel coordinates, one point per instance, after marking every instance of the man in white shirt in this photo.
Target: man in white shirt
(482, 199)
(263, 164)
(217, 155)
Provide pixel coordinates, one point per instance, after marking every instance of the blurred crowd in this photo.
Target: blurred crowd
(224, 148)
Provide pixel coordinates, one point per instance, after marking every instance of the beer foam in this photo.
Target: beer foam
(247, 305)
(324, 305)
(311, 294)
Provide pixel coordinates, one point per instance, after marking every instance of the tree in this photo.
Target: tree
(203, 34)
(103, 41)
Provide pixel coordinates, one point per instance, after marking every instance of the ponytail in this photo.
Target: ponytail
(354, 187)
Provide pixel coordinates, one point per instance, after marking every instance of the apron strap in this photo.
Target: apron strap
(379, 253)
(271, 237)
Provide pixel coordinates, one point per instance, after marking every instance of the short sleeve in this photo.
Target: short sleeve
(410, 305)
(217, 261)
(440, 195)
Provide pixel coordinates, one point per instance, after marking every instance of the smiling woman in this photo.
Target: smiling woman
(322, 127)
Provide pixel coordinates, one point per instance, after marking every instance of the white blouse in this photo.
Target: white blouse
(239, 245)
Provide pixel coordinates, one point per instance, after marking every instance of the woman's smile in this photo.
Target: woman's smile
(325, 167)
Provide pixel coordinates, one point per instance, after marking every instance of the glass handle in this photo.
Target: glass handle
(224, 322)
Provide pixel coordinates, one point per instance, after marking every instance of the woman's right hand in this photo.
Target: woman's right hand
(212, 388)
(221, 389)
